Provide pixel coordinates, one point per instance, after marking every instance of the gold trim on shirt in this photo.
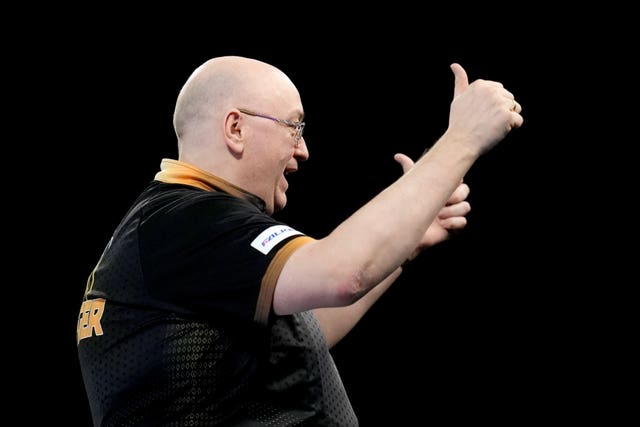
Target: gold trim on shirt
(177, 172)
(268, 287)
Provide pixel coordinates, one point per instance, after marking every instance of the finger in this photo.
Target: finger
(453, 223)
(516, 107)
(405, 161)
(516, 120)
(512, 104)
(461, 80)
(458, 209)
(459, 194)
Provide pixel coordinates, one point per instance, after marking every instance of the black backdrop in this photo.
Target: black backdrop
(476, 329)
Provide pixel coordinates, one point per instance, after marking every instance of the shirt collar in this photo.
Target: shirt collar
(177, 172)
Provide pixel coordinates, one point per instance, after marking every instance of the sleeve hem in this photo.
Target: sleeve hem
(270, 278)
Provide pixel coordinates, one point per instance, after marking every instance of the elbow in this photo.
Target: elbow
(352, 288)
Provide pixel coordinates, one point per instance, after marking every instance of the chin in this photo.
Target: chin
(279, 202)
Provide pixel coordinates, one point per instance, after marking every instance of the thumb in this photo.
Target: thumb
(405, 161)
(461, 79)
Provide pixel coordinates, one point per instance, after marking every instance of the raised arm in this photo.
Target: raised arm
(336, 322)
(371, 244)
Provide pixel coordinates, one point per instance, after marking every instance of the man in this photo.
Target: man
(204, 310)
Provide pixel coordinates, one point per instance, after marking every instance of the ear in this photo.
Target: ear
(234, 132)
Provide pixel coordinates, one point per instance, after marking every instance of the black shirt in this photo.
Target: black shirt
(176, 326)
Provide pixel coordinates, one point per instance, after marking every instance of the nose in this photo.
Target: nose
(301, 152)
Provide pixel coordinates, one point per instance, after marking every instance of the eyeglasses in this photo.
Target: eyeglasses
(298, 126)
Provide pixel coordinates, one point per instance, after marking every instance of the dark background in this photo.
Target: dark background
(483, 327)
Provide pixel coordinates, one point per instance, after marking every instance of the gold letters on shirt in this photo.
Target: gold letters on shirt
(89, 318)
(90, 312)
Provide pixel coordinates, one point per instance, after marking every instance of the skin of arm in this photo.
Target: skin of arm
(369, 246)
(336, 322)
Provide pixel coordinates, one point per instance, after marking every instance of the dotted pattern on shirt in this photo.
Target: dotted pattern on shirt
(184, 392)
(302, 378)
(154, 366)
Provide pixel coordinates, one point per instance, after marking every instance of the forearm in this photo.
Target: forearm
(384, 233)
(336, 322)
(372, 243)
(367, 247)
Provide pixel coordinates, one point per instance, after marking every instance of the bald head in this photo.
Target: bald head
(222, 83)
(216, 135)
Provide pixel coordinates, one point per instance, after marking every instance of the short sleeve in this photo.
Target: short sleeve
(215, 254)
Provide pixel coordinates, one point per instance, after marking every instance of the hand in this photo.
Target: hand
(482, 112)
(450, 218)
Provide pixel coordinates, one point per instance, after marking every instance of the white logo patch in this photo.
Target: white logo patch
(272, 236)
